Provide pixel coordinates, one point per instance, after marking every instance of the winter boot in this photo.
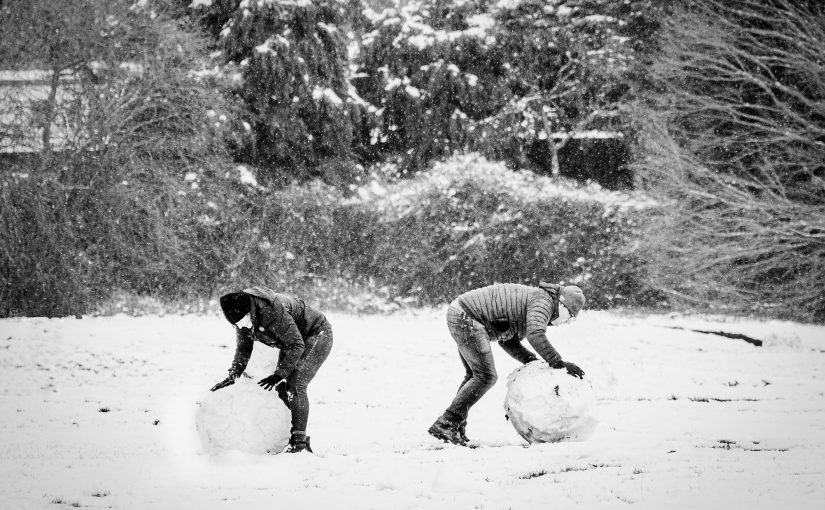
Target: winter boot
(462, 431)
(447, 431)
(298, 444)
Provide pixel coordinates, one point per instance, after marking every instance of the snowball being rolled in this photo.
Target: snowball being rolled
(547, 405)
(243, 417)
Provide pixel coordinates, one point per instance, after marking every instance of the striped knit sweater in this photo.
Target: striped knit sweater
(513, 311)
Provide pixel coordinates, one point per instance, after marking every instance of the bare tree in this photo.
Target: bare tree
(735, 143)
(64, 41)
(114, 211)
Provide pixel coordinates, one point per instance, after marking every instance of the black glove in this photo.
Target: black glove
(572, 368)
(223, 384)
(285, 393)
(273, 381)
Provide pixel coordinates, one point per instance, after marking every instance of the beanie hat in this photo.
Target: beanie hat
(573, 298)
(235, 305)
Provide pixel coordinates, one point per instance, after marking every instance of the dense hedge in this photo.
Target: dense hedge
(465, 223)
(470, 222)
(67, 247)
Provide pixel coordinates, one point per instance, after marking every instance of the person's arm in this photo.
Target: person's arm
(243, 351)
(514, 348)
(539, 310)
(284, 328)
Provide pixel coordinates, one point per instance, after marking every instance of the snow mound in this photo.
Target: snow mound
(546, 405)
(243, 417)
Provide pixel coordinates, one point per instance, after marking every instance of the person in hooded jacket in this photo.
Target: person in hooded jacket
(505, 313)
(303, 335)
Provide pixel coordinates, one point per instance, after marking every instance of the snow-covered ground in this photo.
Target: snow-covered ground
(99, 412)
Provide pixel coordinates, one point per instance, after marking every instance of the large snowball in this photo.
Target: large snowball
(243, 417)
(546, 405)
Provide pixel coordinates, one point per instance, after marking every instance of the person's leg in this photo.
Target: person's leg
(474, 347)
(468, 372)
(314, 356)
(480, 375)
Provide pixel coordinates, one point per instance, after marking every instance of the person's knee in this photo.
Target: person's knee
(487, 378)
(300, 388)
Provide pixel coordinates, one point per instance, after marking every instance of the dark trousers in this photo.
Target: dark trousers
(318, 346)
(474, 351)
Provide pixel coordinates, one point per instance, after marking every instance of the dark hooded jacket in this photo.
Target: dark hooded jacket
(278, 320)
(511, 312)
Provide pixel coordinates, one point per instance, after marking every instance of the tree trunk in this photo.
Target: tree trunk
(48, 119)
(554, 159)
(555, 147)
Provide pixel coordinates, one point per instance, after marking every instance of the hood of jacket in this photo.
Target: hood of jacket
(553, 290)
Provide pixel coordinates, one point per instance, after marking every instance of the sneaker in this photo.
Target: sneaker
(297, 446)
(447, 431)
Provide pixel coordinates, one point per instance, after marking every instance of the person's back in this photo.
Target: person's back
(306, 318)
(503, 308)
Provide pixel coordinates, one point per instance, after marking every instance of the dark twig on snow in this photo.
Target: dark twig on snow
(736, 336)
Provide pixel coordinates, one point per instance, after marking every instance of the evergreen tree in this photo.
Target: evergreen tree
(516, 80)
(431, 69)
(293, 60)
(572, 63)
(213, 15)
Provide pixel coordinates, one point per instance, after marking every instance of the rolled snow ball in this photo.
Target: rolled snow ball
(243, 417)
(546, 405)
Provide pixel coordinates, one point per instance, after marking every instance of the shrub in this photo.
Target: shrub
(304, 232)
(37, 274)
(119, 206)
(465, 223)
(469, 223)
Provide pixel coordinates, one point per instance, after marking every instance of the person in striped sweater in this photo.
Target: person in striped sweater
(505, 313)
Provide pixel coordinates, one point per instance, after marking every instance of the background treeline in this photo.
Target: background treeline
(369, 155)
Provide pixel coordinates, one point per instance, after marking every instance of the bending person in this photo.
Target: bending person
(303, 335)
(505, 313)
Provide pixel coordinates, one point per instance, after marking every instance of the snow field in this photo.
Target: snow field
(101, 413)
